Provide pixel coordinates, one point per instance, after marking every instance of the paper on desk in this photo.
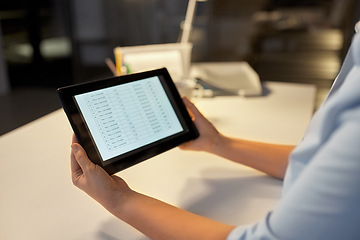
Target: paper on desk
(175, 57)
(139, 62)
(235, 77)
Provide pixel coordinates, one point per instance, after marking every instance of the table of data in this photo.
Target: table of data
(129, 112)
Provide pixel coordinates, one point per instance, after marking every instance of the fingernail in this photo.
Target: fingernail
(75, 148)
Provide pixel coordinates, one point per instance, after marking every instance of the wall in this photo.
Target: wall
(4, 81)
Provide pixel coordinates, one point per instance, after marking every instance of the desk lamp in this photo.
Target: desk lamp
(187, 24)
(176, 57)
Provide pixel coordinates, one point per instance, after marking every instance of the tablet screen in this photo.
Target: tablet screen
(122, 121)
(128, 116)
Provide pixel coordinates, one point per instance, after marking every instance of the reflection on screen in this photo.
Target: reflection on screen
(128, 116)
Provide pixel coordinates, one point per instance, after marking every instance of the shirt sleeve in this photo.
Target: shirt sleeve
(323, 203)
(259, 230)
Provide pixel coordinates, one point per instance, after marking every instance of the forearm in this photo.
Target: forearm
(271, 159)
(159, 220)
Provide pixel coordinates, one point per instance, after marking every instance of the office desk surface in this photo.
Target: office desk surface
(38, 200)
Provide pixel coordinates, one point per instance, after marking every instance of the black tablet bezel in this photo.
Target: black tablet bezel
(123, 161)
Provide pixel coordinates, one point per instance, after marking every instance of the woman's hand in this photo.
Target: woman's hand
(209, 136)
(156, 219)
(109, 191)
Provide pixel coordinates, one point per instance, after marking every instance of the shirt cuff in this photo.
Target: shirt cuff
(259, 230)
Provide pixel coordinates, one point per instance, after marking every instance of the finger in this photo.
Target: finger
(195, 112)
(75, 167)
(74, 139)
(191, 114)
(184, 146)
(187, 102)
(80, 156)
(76, 170)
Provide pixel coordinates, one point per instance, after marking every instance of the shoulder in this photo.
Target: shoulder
(356, 49)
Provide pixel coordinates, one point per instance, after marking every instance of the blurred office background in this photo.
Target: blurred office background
(46, 44)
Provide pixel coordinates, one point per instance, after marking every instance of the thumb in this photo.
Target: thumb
(194, 112)
(80, 156)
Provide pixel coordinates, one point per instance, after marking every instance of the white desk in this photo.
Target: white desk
(38, 200)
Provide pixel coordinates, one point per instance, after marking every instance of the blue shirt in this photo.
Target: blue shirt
(321, 194)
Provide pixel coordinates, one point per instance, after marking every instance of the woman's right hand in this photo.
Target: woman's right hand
(109, 191)
(209, 136)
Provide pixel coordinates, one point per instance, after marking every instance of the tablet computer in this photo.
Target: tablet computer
(122, 121)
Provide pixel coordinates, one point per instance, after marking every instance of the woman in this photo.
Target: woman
(321, 193)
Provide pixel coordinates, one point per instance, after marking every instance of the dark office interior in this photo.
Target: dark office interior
(47, 44)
